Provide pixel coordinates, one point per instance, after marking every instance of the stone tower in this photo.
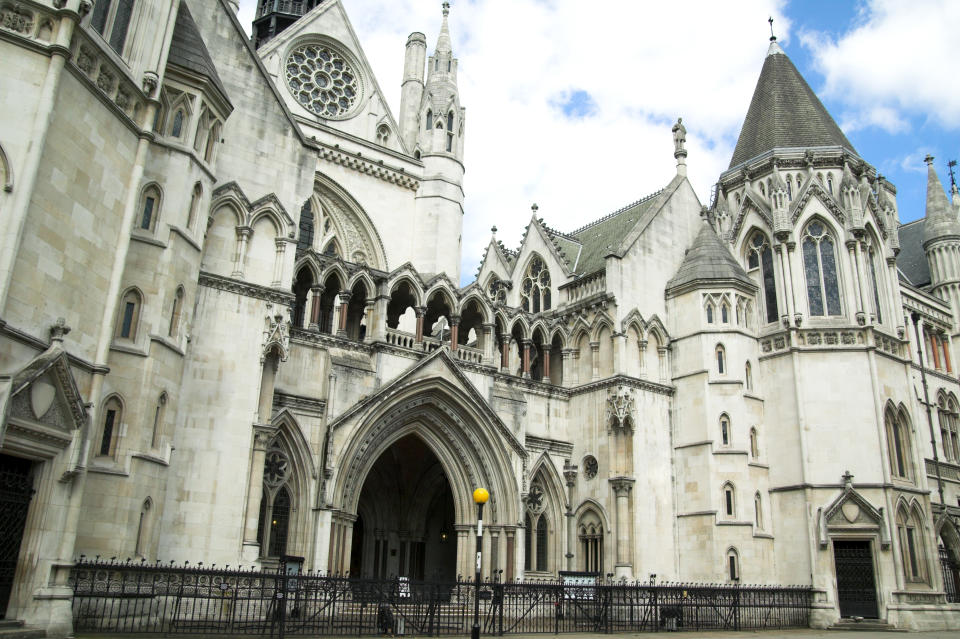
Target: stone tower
(439, 145)
(941, 242)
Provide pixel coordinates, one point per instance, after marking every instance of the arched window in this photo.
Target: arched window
(754, 443)
(830, 183)
(176, 129)
(910, 533)
(733, 565)
(820, 268)
(496, 290)
(429, 119)
(763, 190)
(760, 258)
(758, 511)
(149, 209)
(450, 132)
(729, 501)
(212, 140)
(111, 19)
(175, 313)
(798, 183)
(725, 313)
(872, 264)
(143, 528)
(129, 315)
(542, 544)
(721, 360)
(110, 426)
(748, 376)
(383, 134)
(898, 443)
(789, 187)
(724, 430)
(158, 415)
(947, 412)
(194, 210)
(590, 534)
(709, 313)
(535, 287)
(276, 504)
(202, 129)
(527, 542)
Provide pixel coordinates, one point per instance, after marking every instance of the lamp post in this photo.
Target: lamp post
(480, 497)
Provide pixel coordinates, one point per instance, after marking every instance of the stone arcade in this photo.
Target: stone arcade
(231, 327)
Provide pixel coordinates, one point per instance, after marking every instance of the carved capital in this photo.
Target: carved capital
(622, 485)
(570, 473)
(262, 434)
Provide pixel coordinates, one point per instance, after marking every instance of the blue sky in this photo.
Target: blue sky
(569, 104)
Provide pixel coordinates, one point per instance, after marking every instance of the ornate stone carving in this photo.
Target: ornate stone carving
(620, 409)
(17, 19)
(622, 485)
(590, 466)
(569, 472)
(150, 80)
(276, 334)
(534, 501)
(276, 467)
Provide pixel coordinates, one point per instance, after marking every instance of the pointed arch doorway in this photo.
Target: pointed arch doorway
(405, 516)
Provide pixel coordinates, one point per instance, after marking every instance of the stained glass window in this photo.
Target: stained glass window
(820, 269)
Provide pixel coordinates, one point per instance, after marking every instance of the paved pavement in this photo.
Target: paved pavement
(752, 634)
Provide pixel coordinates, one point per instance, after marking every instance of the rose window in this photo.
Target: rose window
(321, 80)
(276, 467)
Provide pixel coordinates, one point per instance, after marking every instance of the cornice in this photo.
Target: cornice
(377, 169)
(246, 289)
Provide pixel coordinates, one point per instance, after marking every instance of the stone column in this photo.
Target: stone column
(421, 311)
(267, 379)
(570, 475)
(377, 324)
(662, 353)
(465, 550)
(489, 344)
(317, 292)
(510, 567)
(622, 486)
(281, 244)
(243, 238)
(945, 340)
(504, 353)
(594, 360)
(546, 362)
(454, 331)
(787, 308)
(575, 367)
(526, 358)
(568, 372)
(642, 346)
(344, 305)
(262, 434)
(368, 308)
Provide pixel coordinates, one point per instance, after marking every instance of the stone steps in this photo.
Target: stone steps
(14, 629)
(864, 625)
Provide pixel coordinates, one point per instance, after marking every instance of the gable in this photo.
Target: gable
(851, 512)
(352, 99)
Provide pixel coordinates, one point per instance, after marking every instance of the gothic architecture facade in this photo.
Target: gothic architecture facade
(232, 328)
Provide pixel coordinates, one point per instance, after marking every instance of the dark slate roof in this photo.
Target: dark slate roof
(187, 49)
(912, 260)
(784, 112)
(708, 259)
(603, 237)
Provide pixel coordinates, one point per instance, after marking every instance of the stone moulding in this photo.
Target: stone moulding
(230, 285)
(377, 170)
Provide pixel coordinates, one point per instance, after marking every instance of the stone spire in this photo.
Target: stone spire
(941, 220)
(443, 40)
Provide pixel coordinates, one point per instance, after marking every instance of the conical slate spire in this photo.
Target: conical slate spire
(709, 260)
(941, 220)
(784, 113)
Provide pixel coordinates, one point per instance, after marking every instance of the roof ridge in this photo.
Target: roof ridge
(646, 198)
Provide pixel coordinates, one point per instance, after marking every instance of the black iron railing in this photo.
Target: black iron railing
(135, 597)
(951, 576)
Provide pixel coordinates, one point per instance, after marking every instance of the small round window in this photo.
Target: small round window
(322, 81)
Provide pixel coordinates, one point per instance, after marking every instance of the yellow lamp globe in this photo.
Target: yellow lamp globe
(480, 496)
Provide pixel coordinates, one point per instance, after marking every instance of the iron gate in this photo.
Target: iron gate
(16, 491)
(136, 597)
(951, 576)
(856, 590)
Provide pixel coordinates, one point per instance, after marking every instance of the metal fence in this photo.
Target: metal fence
(113, 597)
(951, 576)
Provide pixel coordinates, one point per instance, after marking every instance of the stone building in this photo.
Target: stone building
(231, 328)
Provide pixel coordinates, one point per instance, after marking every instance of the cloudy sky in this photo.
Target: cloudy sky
(570, 103)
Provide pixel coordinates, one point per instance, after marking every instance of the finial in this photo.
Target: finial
(848, 479)
(950, 166)
(493, 229)
(928, 159)
(534, 208)
(446, 9)
(773, 38)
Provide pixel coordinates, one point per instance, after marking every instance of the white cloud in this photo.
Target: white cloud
(642, 64)
(899, 59)
(883, 117)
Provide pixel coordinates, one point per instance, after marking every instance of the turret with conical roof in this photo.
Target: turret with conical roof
(941, 242)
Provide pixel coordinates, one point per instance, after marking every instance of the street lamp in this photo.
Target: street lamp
(480, 497)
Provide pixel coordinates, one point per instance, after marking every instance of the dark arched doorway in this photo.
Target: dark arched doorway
(405, 524)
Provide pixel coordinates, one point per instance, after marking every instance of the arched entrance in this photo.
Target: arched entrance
(405, 516)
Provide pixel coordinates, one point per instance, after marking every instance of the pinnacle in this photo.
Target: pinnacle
(940, 220)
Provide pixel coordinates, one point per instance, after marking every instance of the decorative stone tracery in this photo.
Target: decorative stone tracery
(621, 410)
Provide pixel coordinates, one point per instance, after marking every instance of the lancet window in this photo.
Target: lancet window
(535, 287)
(110, 426)
(898, 445)
(910, 532)
(276, 504)
(947, 412)
(873, 266)
(111, 19)
(820, 268)
(760, 258)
